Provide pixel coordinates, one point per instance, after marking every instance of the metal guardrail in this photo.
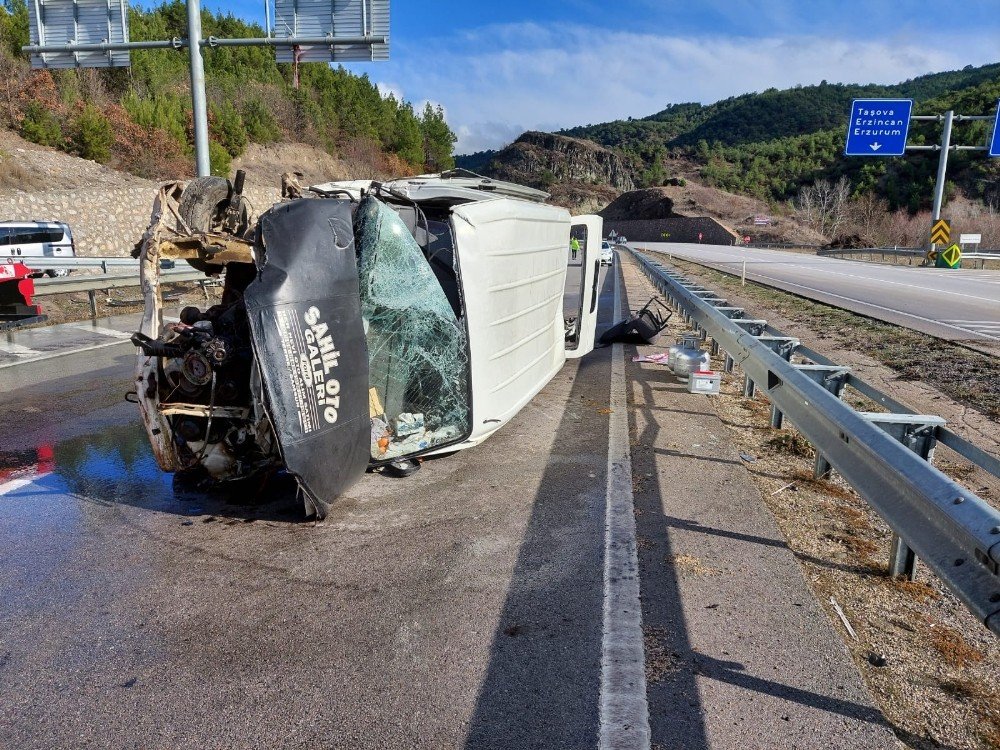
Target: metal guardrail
(72, 264)
(885, 457)
(911, 252)
(66, 285)
(92, 284)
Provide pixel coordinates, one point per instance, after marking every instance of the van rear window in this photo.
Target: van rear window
(28, 235)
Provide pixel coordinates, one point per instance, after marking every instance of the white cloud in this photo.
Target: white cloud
(498, 81)
(390, 89)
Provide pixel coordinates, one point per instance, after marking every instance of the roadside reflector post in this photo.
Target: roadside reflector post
(918, 432)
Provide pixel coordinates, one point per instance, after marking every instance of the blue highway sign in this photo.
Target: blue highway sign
(878, 127)
(995, 140)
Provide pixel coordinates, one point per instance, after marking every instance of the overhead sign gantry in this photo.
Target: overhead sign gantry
(94, 34)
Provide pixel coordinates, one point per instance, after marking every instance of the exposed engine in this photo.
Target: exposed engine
(203, 384)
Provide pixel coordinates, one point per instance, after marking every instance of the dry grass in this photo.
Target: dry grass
(862, 548)
(793, 443)
(13, 176)
(953, 647)
(918, 591)
(691, 564)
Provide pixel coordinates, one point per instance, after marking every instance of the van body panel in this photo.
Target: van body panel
(512, 260)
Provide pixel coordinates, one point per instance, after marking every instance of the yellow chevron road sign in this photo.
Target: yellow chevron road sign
(932, 256)
(941, 232)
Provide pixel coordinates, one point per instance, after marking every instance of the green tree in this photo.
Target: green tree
(259, 122)
(439, 139)
(91, 136)
(13, 26)
(41, 126)
(219, 159)
(408, 140)
(227, 128)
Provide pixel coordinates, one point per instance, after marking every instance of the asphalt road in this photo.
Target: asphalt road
(957, 305)
(463, 607)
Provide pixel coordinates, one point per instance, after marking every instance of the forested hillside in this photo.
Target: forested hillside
(771, 144)
(138, 119)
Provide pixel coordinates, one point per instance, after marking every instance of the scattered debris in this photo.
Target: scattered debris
(878, 660)
(843, 618)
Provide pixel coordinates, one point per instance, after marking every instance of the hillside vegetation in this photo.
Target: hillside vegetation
(139, 120)
(770, 144)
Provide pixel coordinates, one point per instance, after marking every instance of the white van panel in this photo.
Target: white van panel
(512, 265)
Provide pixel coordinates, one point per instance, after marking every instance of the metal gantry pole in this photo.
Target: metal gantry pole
(942, 164)
(198, 99)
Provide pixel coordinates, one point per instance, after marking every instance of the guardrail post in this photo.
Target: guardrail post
(834, 379)
(784, 347)
(918, 432)
(92, 296)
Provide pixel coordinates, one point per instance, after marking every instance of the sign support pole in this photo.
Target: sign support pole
(942, 165)
(198, 99)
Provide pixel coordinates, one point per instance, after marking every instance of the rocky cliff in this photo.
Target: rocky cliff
(579, 168)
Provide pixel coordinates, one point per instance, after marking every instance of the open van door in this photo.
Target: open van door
(583, 276)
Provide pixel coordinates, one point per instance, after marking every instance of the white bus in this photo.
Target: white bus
(27, 240)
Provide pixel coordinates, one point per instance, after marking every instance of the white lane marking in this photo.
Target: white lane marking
(17, 350)
(15, 484)
(882, 280)
(103, 331)
(893, 310)
(624, 720)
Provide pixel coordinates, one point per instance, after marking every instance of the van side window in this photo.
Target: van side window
(29, 236)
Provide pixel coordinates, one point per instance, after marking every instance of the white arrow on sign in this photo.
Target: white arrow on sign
(876, 146)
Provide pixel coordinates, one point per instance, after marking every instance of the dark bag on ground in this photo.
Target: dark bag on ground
(641, 328)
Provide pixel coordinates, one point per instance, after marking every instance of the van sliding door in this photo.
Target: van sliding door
(583, 275)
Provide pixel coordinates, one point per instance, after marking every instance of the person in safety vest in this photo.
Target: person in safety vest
(574, 246)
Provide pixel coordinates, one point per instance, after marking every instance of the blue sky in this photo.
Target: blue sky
(502, 67)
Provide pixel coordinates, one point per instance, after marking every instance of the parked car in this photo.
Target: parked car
(359, 328)
(607, 253)
(32, 241)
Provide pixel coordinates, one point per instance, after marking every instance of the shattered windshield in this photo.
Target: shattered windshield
(417, 348)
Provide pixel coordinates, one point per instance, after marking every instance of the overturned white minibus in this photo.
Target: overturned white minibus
(360, 327)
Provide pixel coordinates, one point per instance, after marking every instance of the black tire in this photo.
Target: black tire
(204, 203)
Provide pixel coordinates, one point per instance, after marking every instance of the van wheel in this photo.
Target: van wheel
(203, 203)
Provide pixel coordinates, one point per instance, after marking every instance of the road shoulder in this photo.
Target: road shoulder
(738, 652)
